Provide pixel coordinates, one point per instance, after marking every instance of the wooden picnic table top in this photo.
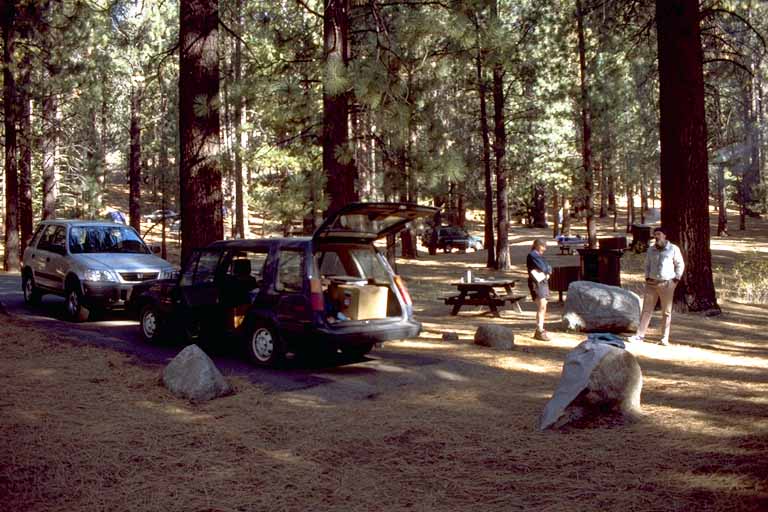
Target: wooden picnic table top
(484, 284)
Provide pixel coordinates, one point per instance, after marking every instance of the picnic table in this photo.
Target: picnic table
(567, 244)
(484, 292)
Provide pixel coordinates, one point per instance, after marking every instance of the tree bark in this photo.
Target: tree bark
(500, 150)
(539, 210)
(134, 161)
(25, 153)
(722, 215)
(586, 132)
(11, 260)
(338, 164)
(49, 145)
(683, 133)
(200, 171)
(490, 246)
(241, 210)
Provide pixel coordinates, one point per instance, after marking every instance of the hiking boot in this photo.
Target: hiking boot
(541, 335)
(635, 339)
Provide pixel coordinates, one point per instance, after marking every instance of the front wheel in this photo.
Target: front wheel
(151, 326)
(264, 347)
(75, 310)
(32, 294)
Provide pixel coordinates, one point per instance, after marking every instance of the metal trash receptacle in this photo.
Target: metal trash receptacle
(601, 265)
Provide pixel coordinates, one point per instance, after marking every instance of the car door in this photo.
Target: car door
(49, 262)
(198, 290)
(291, 289)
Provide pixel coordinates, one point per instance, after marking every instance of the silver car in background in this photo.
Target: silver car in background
(93, 264)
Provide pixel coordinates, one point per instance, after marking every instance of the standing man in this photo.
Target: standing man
(538, 284)
(664, 267)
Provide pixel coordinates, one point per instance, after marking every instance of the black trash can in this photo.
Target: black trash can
(601, 265)
(641, 237)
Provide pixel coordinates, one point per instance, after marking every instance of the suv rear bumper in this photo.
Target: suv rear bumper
(361, 333)
(107, 295)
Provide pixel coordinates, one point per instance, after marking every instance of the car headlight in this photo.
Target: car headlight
(93, 274)
(167, 273)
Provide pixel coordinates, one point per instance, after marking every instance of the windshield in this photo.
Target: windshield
(94, 239)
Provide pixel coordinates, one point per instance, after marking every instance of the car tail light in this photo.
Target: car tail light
(403, 290)
(316, 295)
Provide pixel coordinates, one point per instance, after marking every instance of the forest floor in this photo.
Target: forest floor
(85, 428)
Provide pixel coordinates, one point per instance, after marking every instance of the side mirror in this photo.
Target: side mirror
(155, 249)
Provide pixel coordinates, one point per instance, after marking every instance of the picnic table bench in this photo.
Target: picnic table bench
(484, 293)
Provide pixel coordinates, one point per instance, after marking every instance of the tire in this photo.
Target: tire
(73, 305)
(32, 294)
(263, 346)
(150, 323)
(357, 351)
(448, 248)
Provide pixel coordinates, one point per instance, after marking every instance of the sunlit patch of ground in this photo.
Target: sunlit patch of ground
(88, 429)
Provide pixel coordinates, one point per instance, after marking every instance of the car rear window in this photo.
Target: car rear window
(359, 262)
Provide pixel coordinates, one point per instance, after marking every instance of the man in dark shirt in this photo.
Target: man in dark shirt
(538, 284)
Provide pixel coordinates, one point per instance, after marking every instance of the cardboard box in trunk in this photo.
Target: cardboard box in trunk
(360, 302)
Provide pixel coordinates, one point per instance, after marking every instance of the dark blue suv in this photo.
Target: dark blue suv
(332, 291)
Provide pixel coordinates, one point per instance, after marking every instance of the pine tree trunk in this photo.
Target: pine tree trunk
(722, 215)
(200, 172)
(25, 154)
(11, 260)
(612, 191)
(338, 164)
(49, 147)
(241, 214)
(603, 191)
(630, 207)
(539, 210)
(500, 150)
(555, 212)
(490, 246)
(683, 133)
(134, 161)
(643, 201)
(586, 132)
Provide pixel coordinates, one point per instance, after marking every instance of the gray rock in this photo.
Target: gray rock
(192, 374)
(450, 336)
(495, 336)
(597, 379)
(592, 307)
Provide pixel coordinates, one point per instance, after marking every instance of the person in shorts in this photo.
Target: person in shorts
(538, 284)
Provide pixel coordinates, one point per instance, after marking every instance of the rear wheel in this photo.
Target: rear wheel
(264, 346)
(73, 304)
(32, 294)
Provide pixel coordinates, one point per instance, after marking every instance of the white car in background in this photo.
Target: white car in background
(93, 264)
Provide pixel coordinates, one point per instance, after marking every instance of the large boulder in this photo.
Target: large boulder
(192, 374)
(598, 379)
(593, 307)
(495, 336)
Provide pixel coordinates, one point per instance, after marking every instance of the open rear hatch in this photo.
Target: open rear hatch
(366, 222)
(357, 282)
